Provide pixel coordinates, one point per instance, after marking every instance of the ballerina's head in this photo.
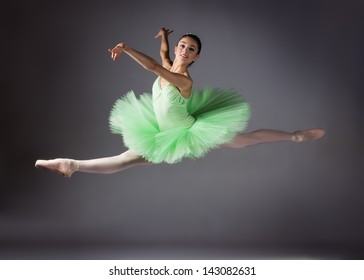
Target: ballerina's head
(188, 48)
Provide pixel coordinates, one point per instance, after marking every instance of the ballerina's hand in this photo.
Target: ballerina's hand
(163, 32)
(117, 51)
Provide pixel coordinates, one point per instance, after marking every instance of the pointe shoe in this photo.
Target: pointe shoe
(62, 166)
(307, 135)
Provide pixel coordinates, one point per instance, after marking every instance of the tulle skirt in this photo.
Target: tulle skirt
(219, 115)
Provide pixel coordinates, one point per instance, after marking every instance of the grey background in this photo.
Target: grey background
(300, 65)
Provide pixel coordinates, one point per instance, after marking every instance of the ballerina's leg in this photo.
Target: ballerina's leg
(112, 164)
(106, 165)
(271, 136)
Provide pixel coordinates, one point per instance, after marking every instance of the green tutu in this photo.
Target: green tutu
(218, 116)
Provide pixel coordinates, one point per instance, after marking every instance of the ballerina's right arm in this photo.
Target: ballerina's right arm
(182, 82)
(164, 51)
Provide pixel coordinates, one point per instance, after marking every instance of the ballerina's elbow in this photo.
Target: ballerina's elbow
(152, 66)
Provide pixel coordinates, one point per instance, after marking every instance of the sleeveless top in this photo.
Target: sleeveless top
(170, 107)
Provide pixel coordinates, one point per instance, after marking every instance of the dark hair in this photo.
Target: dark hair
(194, 37)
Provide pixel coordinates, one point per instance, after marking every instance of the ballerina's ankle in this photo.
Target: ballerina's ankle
(297, 137)
(69, 166)
(76, 165)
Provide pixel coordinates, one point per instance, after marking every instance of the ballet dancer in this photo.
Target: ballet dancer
(175, 121)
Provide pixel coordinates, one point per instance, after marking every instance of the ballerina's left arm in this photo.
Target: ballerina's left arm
(182, 82)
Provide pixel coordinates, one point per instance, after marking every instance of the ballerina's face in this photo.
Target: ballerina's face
(186, 50)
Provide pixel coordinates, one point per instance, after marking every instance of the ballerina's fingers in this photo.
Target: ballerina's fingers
(163, 31)
(115, 52)
(111, 53)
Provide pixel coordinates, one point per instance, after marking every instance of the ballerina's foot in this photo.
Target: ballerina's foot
(65, 167)
(307, 135)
